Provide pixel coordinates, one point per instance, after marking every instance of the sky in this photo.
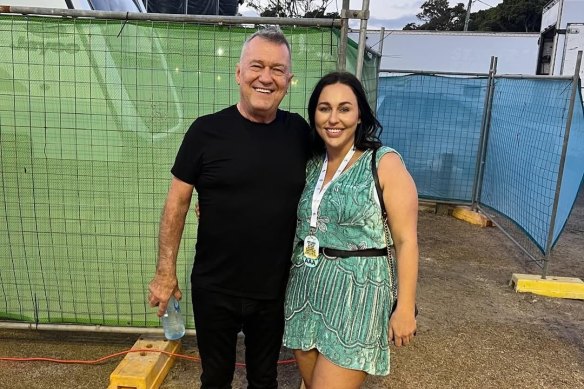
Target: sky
(391, 14)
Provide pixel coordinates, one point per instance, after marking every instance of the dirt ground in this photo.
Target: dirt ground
(474, 331)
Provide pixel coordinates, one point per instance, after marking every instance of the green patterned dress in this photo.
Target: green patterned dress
(341, 307)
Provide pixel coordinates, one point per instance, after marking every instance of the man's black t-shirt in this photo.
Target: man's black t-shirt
(249, 177)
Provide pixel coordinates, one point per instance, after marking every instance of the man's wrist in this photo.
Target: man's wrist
(166, 273)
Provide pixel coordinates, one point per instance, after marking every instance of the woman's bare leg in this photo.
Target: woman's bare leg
(327, 375)
(306, 361)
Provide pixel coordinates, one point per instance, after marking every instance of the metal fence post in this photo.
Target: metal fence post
(362, 39)
(485, 123)
(550, 238)
(343, 39)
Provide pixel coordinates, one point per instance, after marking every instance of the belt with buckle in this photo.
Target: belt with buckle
(335, 253)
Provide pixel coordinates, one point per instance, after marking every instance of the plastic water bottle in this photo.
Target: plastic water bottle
(172, 321)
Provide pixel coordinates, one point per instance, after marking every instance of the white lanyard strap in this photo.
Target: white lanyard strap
(319, 189)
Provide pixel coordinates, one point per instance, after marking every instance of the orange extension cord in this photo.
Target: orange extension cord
(102, 359)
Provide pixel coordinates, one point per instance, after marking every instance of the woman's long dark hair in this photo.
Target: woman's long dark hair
(367, 133)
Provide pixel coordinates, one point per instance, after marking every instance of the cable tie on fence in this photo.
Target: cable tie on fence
(123, 25)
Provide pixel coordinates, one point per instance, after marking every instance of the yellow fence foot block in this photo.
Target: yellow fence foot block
(468, 215)
(145, 370)
(562, 287)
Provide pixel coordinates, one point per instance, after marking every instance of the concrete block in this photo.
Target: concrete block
(468, 215)
(561, 287)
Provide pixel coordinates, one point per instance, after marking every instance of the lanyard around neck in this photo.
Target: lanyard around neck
(319, 189)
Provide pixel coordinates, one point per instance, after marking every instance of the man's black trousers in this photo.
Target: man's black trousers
(218, 320)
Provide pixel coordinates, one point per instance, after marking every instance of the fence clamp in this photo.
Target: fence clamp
(354, 14)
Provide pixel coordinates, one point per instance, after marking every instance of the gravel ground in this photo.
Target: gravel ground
(474, 331)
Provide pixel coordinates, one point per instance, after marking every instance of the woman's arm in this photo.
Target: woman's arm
(401, 202)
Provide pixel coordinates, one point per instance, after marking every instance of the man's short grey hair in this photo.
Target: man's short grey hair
(270, 33)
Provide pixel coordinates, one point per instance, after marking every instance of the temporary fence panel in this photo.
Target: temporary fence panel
(435, 123)
(573, 174)
(370, 70)
(524, 152)
(92, 113)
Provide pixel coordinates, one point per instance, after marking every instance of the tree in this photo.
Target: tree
(509, 16)
(438, 15)
(293, 8)
(411, 26)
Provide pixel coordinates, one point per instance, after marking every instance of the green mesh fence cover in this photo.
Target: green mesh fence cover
(91, 115)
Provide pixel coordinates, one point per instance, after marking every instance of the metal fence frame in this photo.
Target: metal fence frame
(341, 23)
(475, 204)
(544, 262)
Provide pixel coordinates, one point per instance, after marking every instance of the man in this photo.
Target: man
(247, 164)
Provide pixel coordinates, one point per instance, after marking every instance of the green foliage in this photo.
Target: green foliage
(293, 8)
(438, 15)
(509, 16)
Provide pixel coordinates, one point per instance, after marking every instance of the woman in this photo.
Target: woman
(339, 319)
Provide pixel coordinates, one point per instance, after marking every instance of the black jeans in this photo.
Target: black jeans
(218, 320)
